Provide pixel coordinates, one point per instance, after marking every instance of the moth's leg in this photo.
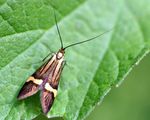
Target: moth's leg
(65, 63)
(44, 59)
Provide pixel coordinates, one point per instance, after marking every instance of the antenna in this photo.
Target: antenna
(77, 43)
(58, 30)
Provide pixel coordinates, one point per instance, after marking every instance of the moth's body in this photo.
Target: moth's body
(46, 79)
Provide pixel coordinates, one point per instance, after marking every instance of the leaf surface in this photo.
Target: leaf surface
(28, 34)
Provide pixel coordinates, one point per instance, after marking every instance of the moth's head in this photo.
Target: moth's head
(60, 54)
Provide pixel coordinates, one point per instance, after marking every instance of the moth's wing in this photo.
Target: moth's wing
(47, 99)
(30, 87)
(34, 82)
(49, 93)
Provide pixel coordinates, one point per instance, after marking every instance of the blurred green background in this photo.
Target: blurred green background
(129, 101)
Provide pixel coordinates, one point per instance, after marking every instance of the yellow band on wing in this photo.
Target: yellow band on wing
(36, 81)
(49, 88)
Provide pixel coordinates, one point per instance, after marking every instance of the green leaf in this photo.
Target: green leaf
(28, 34)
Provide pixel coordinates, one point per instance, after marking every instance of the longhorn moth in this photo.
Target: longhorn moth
(46, 78)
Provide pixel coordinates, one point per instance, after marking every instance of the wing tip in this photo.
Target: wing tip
(28, 89)
(47, 99)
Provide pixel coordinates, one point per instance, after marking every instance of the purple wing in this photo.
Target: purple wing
(28, 89)
(47, 99)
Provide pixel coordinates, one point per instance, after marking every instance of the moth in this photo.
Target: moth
(46, 78)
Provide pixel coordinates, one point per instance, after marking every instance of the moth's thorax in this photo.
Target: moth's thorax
(60, 54)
